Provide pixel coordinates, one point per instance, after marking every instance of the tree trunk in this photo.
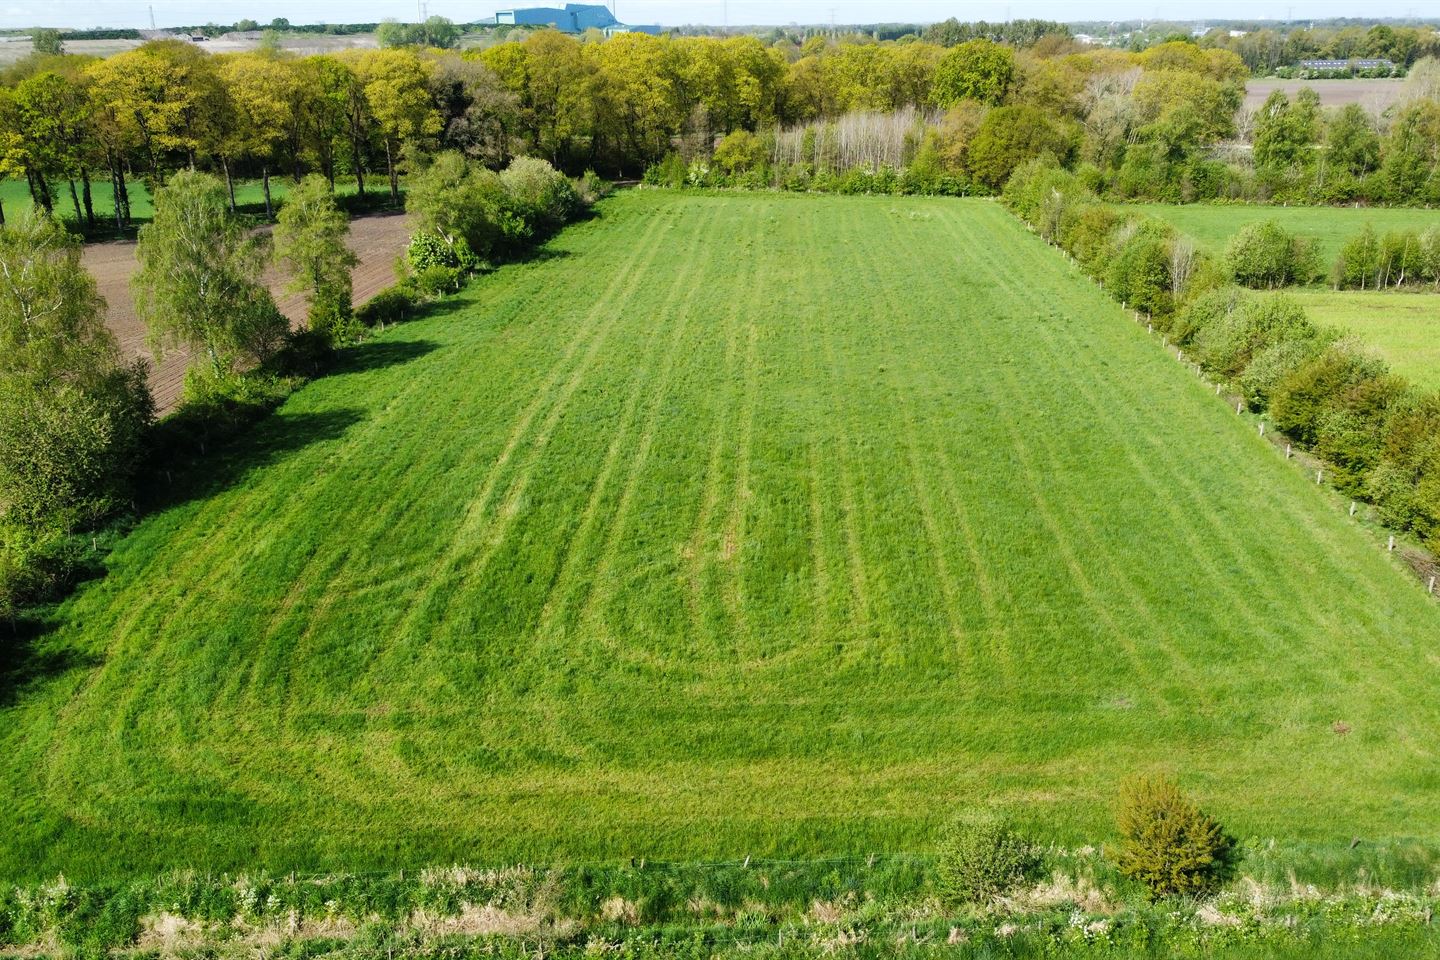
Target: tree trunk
(43, 190)
(390, 167)
(75, 200)
(359, 166)
(89, 202)
(2, 213)
(124, 196)
(229, 182)
(265, 179)
(115, 195)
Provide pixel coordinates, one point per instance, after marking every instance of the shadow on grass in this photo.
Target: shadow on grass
(25, 663)
(215, 466)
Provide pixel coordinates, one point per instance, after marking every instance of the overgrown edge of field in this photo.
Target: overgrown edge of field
(1285, 895)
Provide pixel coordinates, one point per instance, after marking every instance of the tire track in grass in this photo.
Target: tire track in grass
(1026, 296)
(329, 596)
(733, 539)
(597, 594)
(1187, 521)
(478, 526)
(863, 267)
(996, 627)
(1117, 575)
(698, 548)
(240, 519)
(1019, 444)
(1196, 513)
(563, 583)
(853, 512)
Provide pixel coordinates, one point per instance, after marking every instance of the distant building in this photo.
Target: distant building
(1347, 65)
(571, 18)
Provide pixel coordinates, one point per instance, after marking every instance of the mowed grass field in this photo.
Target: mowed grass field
(1401, 326)
(733, 525)
(1212, 225)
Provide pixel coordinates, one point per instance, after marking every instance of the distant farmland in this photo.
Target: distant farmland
(1373, 94)
(743, 525)
(1212, 225)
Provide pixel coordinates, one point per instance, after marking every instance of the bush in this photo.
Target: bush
(438, 280)
(980, 859)
(1203, 313)
(1139, 270)
(1228, 346)
(541, 196)
(1341, 377)
(428, 249)
(1169, 844)
(739, 151)
(669, 172)
(36, 563)
(1264, 255)
(391, 305)
(592, 187)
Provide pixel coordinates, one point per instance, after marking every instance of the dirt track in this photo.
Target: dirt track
(377, 240)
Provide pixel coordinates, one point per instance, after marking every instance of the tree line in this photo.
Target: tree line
(1164, 124)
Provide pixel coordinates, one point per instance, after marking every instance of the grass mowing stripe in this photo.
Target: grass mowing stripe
(912, 406)
(1183, 518)
(552, 393)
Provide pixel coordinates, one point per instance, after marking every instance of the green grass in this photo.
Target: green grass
(249, 197)
(734, 525)
(1402, 326)
(1212, 226)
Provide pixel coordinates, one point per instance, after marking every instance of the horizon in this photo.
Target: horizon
(137, 14)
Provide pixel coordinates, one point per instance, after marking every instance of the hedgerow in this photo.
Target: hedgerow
(1377, 432)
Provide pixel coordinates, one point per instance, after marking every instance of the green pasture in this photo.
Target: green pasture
(1402, 326)
(1212, 225)
(755, 524)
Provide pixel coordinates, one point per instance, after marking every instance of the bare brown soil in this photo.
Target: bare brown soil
(1374, 95)
(377, 240)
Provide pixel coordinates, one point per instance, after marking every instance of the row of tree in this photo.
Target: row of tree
(74, 415)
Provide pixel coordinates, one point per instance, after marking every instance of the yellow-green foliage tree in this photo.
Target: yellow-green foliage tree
(397, 89)
(262, 93)
(199, 279)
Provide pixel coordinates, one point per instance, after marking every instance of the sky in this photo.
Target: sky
(136, 13)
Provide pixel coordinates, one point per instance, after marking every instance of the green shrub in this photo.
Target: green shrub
(982, 858)
(1205, 312)
(541, 196)
(37, 561)
(739, 151)
(438, 280)
(1169, 844)
(1264, 255)
(1341, 377)
(1229, 345)
(1273, 364)
(429, 249)
(1139, 269)
(592, 187)
(669, 172)
(1357, 266)
(388, 306)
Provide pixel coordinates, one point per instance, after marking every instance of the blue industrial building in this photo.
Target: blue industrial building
(571, 18)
